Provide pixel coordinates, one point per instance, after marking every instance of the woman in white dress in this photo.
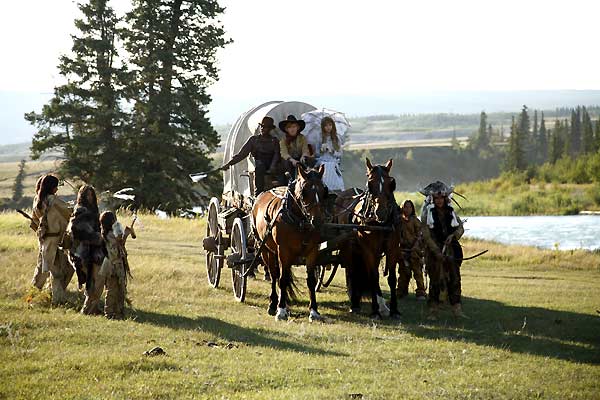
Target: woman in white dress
(329, 154)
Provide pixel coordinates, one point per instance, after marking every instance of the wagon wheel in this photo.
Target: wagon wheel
(238, 248)
(214, 262)
(331, 276)
(320, 274)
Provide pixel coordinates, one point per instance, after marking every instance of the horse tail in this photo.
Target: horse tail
(291, 289)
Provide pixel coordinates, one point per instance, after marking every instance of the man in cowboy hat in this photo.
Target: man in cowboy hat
(442, 229)
(294, 147)
(265, 150)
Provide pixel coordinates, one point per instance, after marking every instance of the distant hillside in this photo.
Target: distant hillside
(223, 110)
(14, 152)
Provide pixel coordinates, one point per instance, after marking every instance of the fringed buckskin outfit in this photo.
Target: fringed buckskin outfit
(411, 264)
(114, 272)
(52, 221)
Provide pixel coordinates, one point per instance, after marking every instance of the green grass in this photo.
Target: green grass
(533, 332)
(502, 196)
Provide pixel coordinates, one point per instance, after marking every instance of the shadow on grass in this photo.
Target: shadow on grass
(228, 331)
(537, 331)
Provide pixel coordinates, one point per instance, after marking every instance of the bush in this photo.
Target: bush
(526, 205)
(594, 193)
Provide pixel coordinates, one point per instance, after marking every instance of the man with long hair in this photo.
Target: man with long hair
(87, 250)
(51, 215)
(410, 243)
(442, 229)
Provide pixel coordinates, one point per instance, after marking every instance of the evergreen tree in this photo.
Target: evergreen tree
(566, 138)
(588, 142)
(543, 141)
(18, 186)
(522, 138)
(173, 45)
(482, 140)
(534, 144)
(515, 156)
(84, 117)
(490, 133)
(555, 146)
(598, 134)
(575, 132)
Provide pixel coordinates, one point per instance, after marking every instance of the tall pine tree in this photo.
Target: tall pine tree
(533, 153)
(543, 141)
(575, 132)
(597, 135)
(523, 139)
(566, 138)
(84, 117)
(173, 45)
(556, 146)
(482, 140)
(588, 142)
(515, 156)
(18, 186)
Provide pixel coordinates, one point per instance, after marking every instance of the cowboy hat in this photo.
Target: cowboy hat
(268, 122)
(292, 119)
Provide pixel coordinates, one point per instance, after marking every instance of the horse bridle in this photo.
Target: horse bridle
(304, 207)
(368, 211)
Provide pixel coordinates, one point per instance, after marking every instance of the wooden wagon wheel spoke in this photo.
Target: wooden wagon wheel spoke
(239, 249)
(214, 259)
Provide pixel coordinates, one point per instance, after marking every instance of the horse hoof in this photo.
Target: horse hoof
(395, 315)
(314, 316)
(355, 310)
(272, 310)
(282, 314)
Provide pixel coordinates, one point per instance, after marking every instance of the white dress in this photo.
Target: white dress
(330, 158)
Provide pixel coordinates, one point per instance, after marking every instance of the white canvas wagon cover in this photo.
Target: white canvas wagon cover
(246, 126)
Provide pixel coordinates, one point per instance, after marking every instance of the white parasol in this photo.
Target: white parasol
(313, 126)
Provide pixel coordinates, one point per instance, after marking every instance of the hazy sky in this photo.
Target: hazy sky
(287, 48)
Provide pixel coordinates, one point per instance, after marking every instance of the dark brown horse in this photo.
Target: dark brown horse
(374, 207)
(295, 215)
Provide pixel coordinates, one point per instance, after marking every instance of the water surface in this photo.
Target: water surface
(551, 232)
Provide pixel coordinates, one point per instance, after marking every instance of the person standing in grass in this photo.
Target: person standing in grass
(87, 250)
(410, 247)
(115, 267)
(442, 229)
(51, 217)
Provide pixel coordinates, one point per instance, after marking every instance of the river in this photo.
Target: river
(551, 232)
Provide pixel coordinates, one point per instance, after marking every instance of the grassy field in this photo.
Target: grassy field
(33, 169)
(533, 332)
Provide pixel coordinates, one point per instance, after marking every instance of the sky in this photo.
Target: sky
(286, 49)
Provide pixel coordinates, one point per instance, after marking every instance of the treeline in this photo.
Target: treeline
(132, 110)
(532, 143)
(499, 120)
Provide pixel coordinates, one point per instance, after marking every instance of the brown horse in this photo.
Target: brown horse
(295, 215)
(374, 207)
